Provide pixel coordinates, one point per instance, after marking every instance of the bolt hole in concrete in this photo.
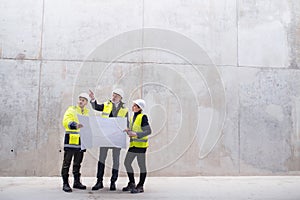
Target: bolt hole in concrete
(11, 150)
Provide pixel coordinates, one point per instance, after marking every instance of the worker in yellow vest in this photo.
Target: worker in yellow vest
(72, 147)
(111, 108)
(138, 131)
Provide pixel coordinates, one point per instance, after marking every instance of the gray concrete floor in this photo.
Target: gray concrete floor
(231, 188)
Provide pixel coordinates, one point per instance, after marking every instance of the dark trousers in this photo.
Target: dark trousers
(140, 154)
(68, 155)
(101, 163)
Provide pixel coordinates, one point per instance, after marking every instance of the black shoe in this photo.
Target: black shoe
(112, 186)
(78, 185)
(138, 189)
(129, 187)
(98, 185)
(66, 187)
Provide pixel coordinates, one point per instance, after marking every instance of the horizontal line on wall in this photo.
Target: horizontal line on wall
(144, 62)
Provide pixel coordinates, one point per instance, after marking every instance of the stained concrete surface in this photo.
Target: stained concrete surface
(233, 188)
(44, 48)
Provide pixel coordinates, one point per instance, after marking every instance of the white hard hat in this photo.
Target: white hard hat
(119, 92)
(85, 95)
(141, 103)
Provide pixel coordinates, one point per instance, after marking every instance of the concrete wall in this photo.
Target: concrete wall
(221, 80)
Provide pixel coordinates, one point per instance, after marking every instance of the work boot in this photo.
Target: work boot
(138, 189)
(112, 186)
(98, 185)
(66, 186)
(129, 187)
(77, 183)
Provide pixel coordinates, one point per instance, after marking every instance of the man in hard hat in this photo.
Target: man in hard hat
(138, 131)
(111, 108)
(72, 147)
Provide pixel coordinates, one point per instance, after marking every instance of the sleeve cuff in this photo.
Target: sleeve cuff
(72, 125)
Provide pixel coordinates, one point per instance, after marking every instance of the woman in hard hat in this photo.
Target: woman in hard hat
(138, 131)
(72, 147)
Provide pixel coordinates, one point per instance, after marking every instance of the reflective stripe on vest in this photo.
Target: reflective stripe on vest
(72, 140)
(108, 106)
(137, 127)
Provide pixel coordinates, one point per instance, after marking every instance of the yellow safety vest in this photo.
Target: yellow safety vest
(137, 127)
(108, 106)
(72, 136)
